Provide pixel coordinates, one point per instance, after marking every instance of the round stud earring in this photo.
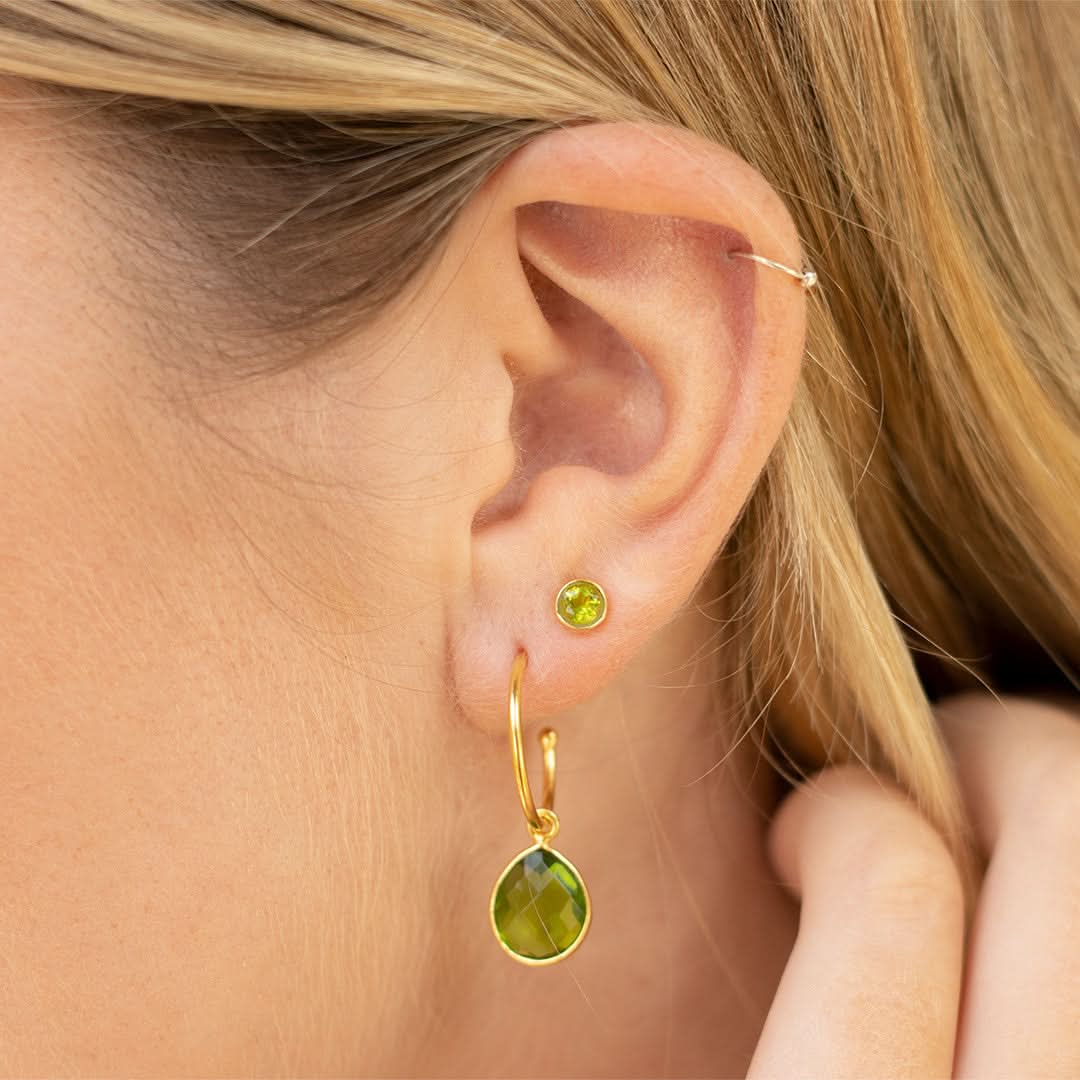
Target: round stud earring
(581, 604)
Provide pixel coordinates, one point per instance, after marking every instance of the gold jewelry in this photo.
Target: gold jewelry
(581, 604)
(807, 277)
(540, 908)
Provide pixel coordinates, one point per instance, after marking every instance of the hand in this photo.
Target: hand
(877, 984)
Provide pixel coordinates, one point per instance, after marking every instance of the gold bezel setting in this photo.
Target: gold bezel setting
(531, 961)
(581, 581)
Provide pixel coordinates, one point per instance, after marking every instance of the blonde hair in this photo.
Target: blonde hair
(917, 529)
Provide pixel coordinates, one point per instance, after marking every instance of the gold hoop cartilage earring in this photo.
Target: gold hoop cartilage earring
(807, 277)
(540, 908)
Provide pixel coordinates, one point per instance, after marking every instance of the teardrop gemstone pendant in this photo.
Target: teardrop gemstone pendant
(540, 907)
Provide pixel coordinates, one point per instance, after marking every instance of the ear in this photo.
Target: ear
(650, 375)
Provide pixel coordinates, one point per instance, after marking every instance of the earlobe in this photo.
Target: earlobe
(652, 374)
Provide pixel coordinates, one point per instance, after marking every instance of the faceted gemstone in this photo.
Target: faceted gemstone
(540, 907)
(581, 604)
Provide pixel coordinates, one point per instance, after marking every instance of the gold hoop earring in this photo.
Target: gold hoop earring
(540, 909)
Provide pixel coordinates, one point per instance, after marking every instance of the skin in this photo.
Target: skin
(878, 982)
(256, 637)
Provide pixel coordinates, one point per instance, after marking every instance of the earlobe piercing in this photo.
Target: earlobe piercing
(806, 277)
(581, 604)
(540, 908)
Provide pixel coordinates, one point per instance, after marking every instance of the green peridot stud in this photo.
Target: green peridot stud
(581, 604)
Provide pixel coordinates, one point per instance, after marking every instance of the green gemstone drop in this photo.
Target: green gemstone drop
(540, 907)
(581, 604)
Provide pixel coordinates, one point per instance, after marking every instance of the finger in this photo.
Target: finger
(872, 985)
(1019, 767)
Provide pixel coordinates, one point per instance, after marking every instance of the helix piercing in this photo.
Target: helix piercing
(807, 277)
